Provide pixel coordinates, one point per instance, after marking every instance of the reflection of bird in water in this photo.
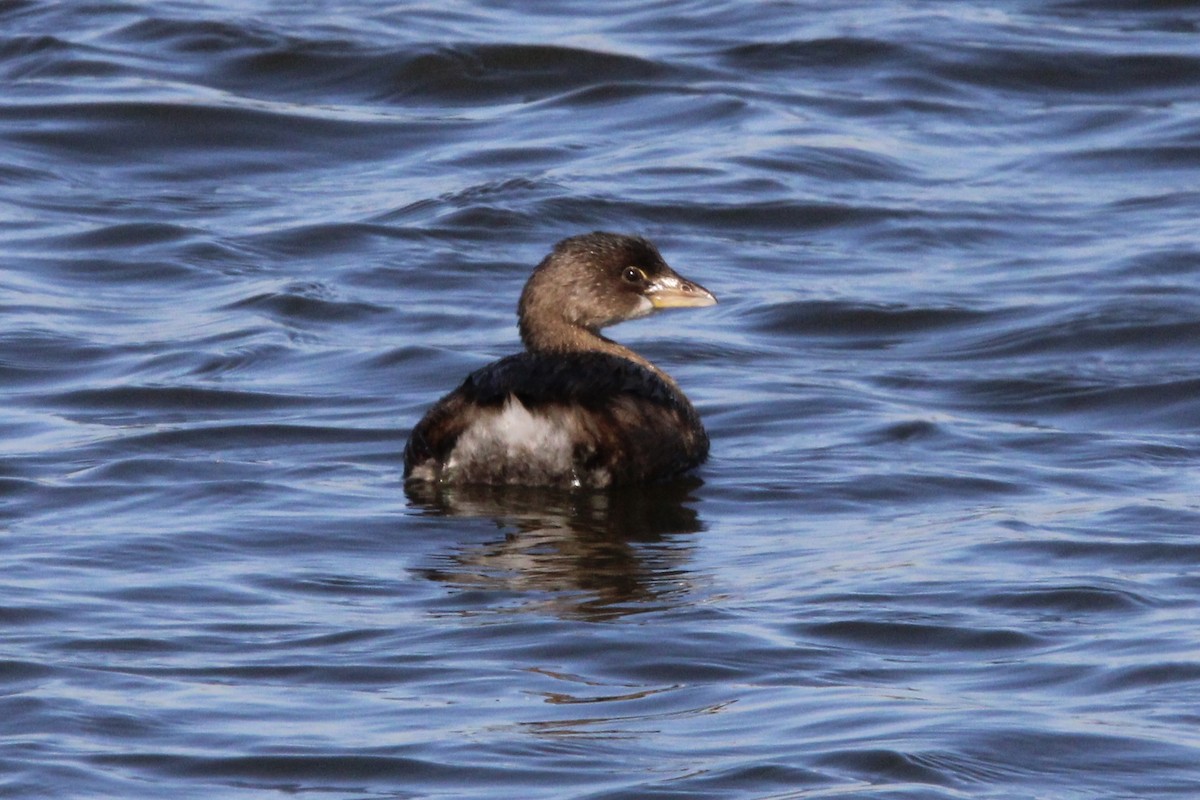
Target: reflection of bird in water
(593, 553)
(575, 409)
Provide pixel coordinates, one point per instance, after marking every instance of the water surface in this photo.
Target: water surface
(946, 543)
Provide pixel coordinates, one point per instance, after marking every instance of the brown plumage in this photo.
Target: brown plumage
(575, 409)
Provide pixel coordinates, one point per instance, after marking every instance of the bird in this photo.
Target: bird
(575, 409)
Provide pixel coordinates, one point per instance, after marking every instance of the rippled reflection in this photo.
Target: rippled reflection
(597, 554)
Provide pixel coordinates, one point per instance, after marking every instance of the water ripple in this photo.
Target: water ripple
(945, 543)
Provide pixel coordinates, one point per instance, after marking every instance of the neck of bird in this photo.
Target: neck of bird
(565, 337)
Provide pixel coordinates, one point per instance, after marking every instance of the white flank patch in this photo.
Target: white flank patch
(518, 438)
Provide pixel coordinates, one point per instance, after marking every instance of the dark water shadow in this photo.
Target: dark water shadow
(596, 554)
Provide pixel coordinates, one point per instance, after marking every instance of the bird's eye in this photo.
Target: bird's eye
(634, 275)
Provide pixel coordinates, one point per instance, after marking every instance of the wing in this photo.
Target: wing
(629, 424)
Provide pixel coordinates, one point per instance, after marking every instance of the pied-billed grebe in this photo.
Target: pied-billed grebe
(575, 409)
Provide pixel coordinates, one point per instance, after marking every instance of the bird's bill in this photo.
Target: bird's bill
(672, 291)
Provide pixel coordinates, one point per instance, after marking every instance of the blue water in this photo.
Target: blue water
(948, 541)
